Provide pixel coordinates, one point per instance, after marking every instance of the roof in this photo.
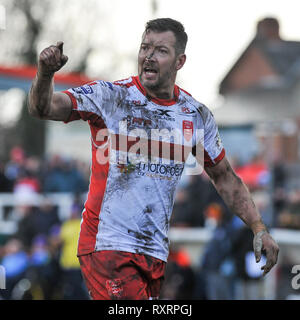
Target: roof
(283, 57)
(261, 86)
(22, 76)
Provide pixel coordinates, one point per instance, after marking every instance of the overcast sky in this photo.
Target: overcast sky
(218, 33)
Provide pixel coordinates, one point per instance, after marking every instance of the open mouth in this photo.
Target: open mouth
(150, 71)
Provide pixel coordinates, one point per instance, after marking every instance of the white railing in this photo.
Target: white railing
(192, 239)
(9, 201)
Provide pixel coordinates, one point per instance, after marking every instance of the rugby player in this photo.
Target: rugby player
(123, 244)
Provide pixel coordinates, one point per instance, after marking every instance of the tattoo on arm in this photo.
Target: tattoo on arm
(40, 95)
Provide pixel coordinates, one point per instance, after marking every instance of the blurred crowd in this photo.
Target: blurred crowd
(227, 269)
(40, 256)
(40, 260)
(273, 189)
(54, 174)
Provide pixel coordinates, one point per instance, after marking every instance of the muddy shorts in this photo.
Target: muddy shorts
(111, 275)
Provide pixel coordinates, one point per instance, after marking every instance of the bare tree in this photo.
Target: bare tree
(29, 21)
(91, 33)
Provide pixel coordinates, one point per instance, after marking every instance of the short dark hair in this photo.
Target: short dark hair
(168, 24)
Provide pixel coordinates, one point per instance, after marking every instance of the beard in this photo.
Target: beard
(162, 81)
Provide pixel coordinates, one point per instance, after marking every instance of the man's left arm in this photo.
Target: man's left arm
(238, 199)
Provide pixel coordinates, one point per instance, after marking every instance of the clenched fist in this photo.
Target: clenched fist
(51, 59)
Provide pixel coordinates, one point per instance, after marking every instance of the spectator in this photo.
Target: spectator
(5, 183)
(182, 214)
(199, 191)
(35, 217)
(37, 258)
(26, 182)
(41, 241)
(15, 261)
(63, 176)
(279, 174)
(289, 217)
(73, 286)
(15, 165)
(255, 174)
(216, 266)
(248, 273)
(179, 277)
(28, 179)
(213, 215)
(45, 217)
(25, 210)
(44, 272)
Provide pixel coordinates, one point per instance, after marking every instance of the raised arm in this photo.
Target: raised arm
(238, 199)
(43, 103)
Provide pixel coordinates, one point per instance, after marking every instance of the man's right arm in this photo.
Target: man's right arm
(43, 103)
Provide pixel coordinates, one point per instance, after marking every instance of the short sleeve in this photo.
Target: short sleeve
(214, 151)
(88, 101)
(211, 143)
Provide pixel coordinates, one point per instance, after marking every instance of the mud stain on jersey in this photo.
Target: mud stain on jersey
(146, 236)
(142, 250)
(148, 209)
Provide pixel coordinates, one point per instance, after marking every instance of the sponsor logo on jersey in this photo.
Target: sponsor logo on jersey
(187, 128)
(187, 111)
(161, 169)
(138, 103)
(138, 122)
(86, 89)
(151, 169)
(163, 114)
(130, 167)
(134, 104)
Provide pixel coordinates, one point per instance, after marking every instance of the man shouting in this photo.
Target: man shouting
(123, 245)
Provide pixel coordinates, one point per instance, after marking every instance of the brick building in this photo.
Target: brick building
(261, 107)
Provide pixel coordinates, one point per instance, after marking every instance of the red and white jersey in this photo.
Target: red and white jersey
(129, 203)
